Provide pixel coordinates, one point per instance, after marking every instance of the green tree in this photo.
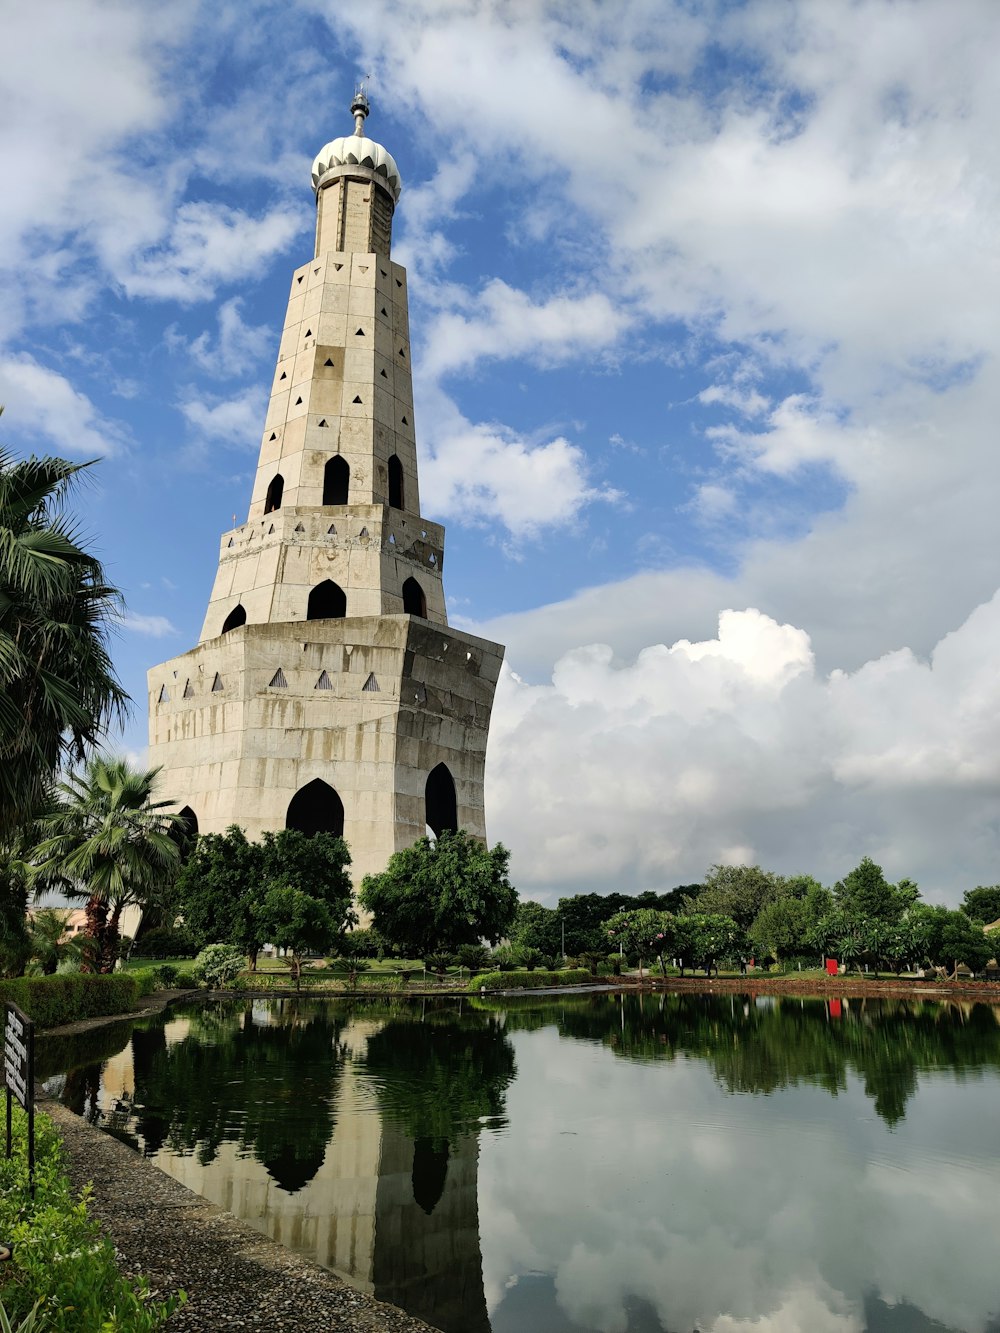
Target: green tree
(866, 894)
(58, 690)
(15, 875)
(48, 941)
(963, 941)
(227, 876)
(643, 932)
(439, 895)
(982, 904)
(536, 927)
(713, 936)
(739, 892)
(781, 929)
(297, 921)
(107, 838)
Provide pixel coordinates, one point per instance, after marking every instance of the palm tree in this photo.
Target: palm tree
(49, 941)
(58, 690)
(112, 841)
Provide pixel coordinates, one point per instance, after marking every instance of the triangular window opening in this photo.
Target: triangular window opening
(270, 529)
(359, 333)
(273, 435)
(308, 333)
(164, 696)
(299, 527)
(188, 690)
(402, 352)
(300, 277)
(315, 270)
(278, 681)
(363, 268)
(338, 267)
(383, 272)
(332, 530)
(283, 375)
(405, 422)
(363, 532)
(230, 542)
(323, 422)
(298, 402)
(371, 685)
(385, 312)
(328, 361)
(324, 682)
(217, 684)
(392, 539)
(356, 398)
(398, 283)
(383, 374)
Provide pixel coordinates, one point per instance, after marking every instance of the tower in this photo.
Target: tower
(327, 691)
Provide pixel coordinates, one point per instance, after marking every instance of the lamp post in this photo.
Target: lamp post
(562, 923)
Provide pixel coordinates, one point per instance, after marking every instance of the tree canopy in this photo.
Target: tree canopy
(440, 894)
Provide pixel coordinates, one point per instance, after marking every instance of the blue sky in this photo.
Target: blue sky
(703, 304)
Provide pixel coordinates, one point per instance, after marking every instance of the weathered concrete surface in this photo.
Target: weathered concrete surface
(234, 1277)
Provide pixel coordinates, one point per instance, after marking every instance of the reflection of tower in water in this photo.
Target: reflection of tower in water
(392, 1211)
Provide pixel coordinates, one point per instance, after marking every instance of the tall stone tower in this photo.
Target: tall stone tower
(327, 691)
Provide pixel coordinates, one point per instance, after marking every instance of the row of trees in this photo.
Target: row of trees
(741, 912)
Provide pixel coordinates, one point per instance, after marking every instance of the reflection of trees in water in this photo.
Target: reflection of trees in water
(440, 1076)
(268, 1088)
(761, 1047)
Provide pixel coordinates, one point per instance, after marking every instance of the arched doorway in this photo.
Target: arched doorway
(316, 808)
(327, 601)
(440, 802)
(336, 481)
(188, 822)
(414, 601)
(395, 483)
(236, 617)
(274, 493)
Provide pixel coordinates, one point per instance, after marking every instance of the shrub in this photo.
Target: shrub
(438, 962)
(162, 942)
(218, 964)
(146, 980)
(186, 979)
(473, 956)
(529, 958)
(52, 1001)
(530, 980)
(503, 959)
(61, 1263)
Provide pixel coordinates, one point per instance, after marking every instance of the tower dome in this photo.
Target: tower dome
(358, 150)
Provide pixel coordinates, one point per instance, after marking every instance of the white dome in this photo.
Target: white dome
(356, 150)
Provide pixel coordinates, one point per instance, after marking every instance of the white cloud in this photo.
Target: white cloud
(157, 627)
(238, 347)
(42, 405)
(234, 421)
(486, 473)
(642, 775)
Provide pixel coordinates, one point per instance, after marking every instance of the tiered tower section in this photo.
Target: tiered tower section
(327, 691)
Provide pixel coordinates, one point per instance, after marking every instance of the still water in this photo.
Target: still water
(589, 1164)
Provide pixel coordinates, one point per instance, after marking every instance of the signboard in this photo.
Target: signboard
(19, 1076)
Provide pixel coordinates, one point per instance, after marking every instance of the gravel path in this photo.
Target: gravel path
(234, 1277)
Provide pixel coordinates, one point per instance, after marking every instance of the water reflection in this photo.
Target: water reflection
(598, 1164)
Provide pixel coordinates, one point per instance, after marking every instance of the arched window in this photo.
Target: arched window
(327, 601)
(395, 483)
(316, 808)
(430, 1171)
(236, 617)
(414, 601)
(275, 491)
(336, 481)
(440, 803)
(188, 820)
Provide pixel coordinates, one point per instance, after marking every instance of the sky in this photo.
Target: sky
(703, 310)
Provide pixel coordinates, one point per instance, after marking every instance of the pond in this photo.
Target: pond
(588, 1164)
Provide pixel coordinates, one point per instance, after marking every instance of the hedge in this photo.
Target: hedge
(52, 1001)
(578, 976)
(60, 1261)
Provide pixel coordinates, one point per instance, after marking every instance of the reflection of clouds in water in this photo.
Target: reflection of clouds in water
(729, 1213)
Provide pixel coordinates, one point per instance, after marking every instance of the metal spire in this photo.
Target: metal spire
(359, 109)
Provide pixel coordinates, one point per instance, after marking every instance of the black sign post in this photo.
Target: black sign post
(19, 1077)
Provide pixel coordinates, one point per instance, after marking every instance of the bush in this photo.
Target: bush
(503, 959)
(218, 964)
(438, 962)
(61, 1262)
(146, 980)
(530, 980)
(473, 956)
(162, 942)
(52, 1001)
(186, 979)
(529, 958)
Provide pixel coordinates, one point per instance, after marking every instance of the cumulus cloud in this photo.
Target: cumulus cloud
(43, 405)
(234, 421)
(486, 472)
(642, 774)
(236, 349)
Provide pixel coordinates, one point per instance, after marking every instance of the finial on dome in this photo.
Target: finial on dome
(359, 109)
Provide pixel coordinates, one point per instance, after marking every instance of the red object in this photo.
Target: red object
(832, 967)
(835, 1009)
